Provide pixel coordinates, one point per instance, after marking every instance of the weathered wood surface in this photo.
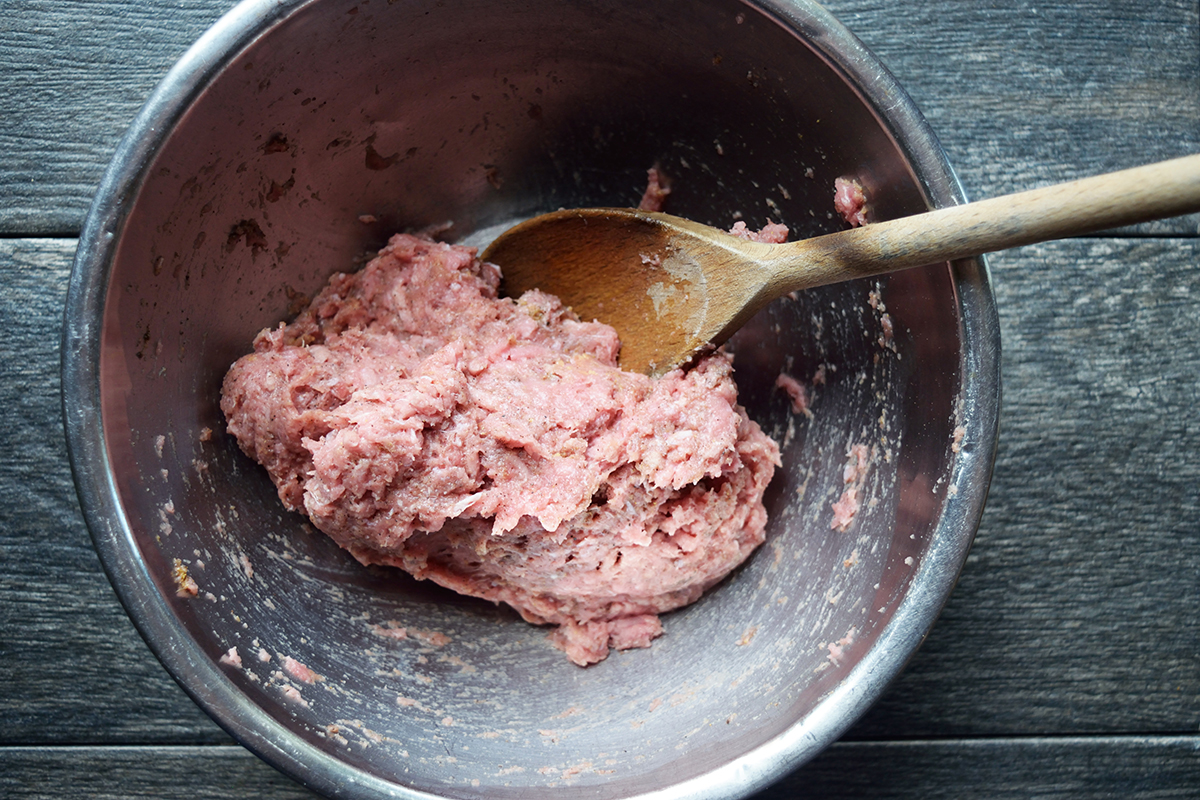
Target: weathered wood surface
(1067, 663)
(1022, 93)
(1158, 768)
(1075, 614)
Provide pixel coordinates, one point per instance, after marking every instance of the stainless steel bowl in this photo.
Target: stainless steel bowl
(296, 136)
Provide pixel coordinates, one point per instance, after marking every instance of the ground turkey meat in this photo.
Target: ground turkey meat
(850, 200)
(492, 446)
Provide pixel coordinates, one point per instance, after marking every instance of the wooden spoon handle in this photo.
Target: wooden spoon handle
(1154, 191)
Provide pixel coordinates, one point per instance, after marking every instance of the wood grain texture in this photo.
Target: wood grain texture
(70, 653)
(116, 773)
(1076, 610)
(1021, 94)
(1075, 613)
(1095, 768)
(1067, 662)
(1089, 768)
(72, 77)
(1028, 93)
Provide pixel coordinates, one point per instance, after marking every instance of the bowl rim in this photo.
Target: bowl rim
(201, 678)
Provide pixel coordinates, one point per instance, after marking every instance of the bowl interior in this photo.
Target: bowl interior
(344, 122)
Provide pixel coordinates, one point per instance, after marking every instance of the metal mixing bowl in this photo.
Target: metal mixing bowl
(296, 136)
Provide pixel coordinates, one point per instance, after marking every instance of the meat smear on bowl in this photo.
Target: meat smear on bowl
(494, 447)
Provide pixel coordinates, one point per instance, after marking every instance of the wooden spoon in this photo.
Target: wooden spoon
(672, 287)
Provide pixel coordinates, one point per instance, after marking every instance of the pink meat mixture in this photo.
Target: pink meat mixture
(493, 446)
(850, 200)
(854, 476)
(796, 391)
(657, 190)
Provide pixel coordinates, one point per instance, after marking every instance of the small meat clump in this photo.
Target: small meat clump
(850, 200)
(494, 447)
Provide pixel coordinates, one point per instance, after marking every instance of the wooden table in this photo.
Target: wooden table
(1067, 663)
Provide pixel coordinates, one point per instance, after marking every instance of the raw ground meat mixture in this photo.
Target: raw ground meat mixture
(492, 446)
(850, 200)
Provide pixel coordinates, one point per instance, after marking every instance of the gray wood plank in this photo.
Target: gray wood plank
(115, 773)
(74, 667)
(1076, 610)
(1026, 93)
(1021, 93)
(1075, 613)
(72, 77)
(1088, 768)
